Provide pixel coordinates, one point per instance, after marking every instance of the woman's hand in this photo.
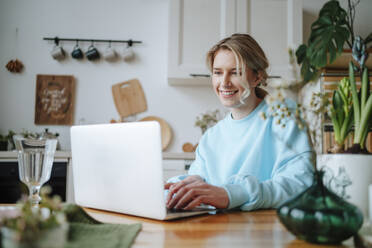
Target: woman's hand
(193, 191)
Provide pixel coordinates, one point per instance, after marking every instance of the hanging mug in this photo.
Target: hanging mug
(76, 52)
(57, 52)
(128, 53)
(109, 54)
(92, 53)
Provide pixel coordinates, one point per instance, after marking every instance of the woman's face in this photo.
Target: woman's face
(226, 79)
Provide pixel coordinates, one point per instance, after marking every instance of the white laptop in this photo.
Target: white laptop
(118, 167)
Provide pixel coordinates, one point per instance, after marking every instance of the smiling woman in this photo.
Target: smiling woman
(244, 161)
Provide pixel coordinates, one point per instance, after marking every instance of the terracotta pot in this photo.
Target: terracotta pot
(348, 175)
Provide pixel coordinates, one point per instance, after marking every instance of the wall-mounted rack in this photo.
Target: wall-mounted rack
(57, 39)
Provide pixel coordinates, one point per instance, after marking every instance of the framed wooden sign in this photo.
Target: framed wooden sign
(54, 103)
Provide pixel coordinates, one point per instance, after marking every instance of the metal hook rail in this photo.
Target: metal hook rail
(57, 39)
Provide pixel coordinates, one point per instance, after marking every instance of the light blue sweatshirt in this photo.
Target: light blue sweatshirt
(258, 162)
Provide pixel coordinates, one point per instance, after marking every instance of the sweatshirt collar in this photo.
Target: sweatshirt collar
(259, 107)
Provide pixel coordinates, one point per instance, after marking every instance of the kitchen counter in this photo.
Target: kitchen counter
(64, 156)
(173, 164)
(59, 156)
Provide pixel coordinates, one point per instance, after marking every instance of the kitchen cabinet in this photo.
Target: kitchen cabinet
(195, 26)
(175, 164)
(11, 188)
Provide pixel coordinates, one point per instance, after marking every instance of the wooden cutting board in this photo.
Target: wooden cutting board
(129, 98)
(166, 131)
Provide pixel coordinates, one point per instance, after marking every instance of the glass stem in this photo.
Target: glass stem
(35, 195)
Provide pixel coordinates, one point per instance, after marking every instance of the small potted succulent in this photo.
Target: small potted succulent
(44, 226)
(6, 140)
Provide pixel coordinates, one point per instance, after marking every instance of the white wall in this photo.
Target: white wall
(145, 20)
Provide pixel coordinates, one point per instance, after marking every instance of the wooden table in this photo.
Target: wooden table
(233, 229)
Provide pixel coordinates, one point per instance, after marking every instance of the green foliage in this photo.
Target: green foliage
(207, 120)
(341, 111)
(327, 38)
(329, 34)
(362, 105)
(32, 221)
(7, 137)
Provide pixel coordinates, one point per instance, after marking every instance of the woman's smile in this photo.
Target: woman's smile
(228, 93)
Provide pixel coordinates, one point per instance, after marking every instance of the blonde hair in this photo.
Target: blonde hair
(248, 54)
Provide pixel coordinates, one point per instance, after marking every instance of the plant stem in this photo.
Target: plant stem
(366, 115)
(350, 23)
(364, 89)
(356, 105)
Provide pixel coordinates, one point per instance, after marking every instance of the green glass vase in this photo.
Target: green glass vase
(320, 216)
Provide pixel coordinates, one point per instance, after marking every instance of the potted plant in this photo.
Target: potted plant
(333, 218)
(346, 173)
(329, 33)
(44, 226)
(349, 172)
(5, 140)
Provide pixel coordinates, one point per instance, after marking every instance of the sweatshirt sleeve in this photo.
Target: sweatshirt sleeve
(290, 179)
(292, 172)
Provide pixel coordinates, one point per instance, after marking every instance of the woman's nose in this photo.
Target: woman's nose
(225, 81)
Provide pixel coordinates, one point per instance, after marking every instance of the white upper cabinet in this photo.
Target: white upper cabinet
(194, 27)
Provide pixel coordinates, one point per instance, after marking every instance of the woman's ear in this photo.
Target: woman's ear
(258, 79)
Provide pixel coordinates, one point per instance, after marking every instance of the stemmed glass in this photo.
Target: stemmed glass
(35, 162)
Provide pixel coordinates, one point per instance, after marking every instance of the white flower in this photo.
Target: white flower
(45, 213)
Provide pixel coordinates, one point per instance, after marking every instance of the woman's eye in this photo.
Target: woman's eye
(235, 73)
(217, 73)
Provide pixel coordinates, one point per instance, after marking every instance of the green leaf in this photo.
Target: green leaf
(368, 39)
(328, 36)
(301, 53)
(336, 126)
(338, 107)
(308, 72)
(364, 89)
(356, 105)
(366, 117)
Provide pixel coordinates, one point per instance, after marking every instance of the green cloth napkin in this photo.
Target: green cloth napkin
(84, 231)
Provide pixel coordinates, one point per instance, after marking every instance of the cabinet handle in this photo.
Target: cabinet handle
(200, 75)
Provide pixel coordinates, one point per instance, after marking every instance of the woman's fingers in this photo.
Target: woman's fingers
(168, 185)
(179, 193)
(173, 189)
(193, 191)
(189, 196)
(194, 194)
(196, 202)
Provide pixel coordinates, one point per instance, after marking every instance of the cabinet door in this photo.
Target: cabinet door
(11, 188)
(173, 167)
(194, 27)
